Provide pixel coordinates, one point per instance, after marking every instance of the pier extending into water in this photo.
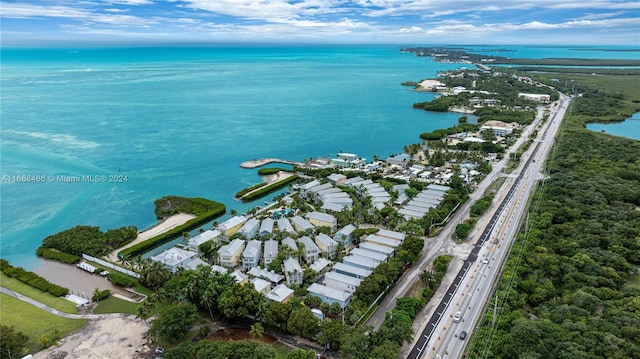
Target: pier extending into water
(265, 161)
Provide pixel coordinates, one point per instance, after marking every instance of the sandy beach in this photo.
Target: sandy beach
(119, 337)
(165, 225)
(429, 84)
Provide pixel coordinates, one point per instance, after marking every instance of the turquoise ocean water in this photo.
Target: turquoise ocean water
(180, 120)
(629, 128)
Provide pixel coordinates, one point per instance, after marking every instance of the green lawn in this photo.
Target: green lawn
(116, 305)
(35, 322)
(17, 286)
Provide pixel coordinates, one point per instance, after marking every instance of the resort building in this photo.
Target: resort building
(206, 236)
(261, 285)
(535, 97)
(273, 277)
(300, 224)
(266, 227)
(320, 219)
(251, 254)
(398, 236)
(284, 225)
(280, 294)
(336, 178)
(378, 257)
(330, 295)
(361, 262)
(311, 250)
(499, 128)
(352, 271)
(345, 235)
(327, 245)
(387, 251)
(232, 225)
(382, 241)
(292, 271)
(319, 265)
(342, 282)
(250, 228)
(239, 277)
(229, 254)
(174, 258)
(289, 242)
(348, 160)
(270, 251)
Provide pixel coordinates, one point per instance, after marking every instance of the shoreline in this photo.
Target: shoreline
(162, 226)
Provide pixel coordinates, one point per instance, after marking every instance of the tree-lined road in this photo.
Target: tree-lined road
(473, 285)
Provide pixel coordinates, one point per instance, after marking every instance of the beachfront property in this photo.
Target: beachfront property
(251, 254)
(342, 282)
(535, 97)
(232, 225)
(284, 225)
(330, 295)
(300, 224)
(250, 228)
(271, 276)
(174, 258)
(229, 254)
(378, 257)
(327, 245)
(280, 294)
(266, 228)
(382, 241)
(401, 160)
(261, 285)
(311, 251)
(319, 265)
(345, 235)
(499, 128)
(320, 219)
(291, 243)
(352, 271)
(348, 160)
(361, 262)
(204, 237)
(336, 178)
(239, 277)
(270, 251)
(292, 271)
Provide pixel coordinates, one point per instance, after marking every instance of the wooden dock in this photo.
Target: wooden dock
(264, 161)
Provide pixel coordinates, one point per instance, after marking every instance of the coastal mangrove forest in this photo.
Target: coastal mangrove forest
(570, 288)
(86, 239)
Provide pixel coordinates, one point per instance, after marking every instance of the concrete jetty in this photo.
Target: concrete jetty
(264, 161)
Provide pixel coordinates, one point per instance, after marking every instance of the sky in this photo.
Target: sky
(584, 22)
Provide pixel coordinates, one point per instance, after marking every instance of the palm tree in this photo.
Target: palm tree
(144, 310)
(209, 298)
(256, 331)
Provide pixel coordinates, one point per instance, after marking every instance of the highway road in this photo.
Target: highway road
(475, 281)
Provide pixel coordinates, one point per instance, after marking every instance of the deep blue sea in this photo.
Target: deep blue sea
(180, 120)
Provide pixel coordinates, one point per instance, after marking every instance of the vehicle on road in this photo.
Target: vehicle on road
(485, 261)
(462, 335)
(457, 317)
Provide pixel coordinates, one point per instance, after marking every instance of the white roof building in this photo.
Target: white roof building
(174, 257)
(290, 243)
(270, 251)
(285, 226)
(250, 228)
(292, 271)
(206, 236)
(311, 250)
(376, 256)
(272, 276)
(383, 241)
(266, 227)
(239, 277)
(342, 282)
(251, 254)
(330, 295)
(320, 264)
(345, 235)
(231, 225)
(280, 293)
(362, 262)
(301, 224)
(320, 219)
(398, 236)
(261, 285)
(387, 251)
(230, 253)
(326, 244)
(350, 270)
